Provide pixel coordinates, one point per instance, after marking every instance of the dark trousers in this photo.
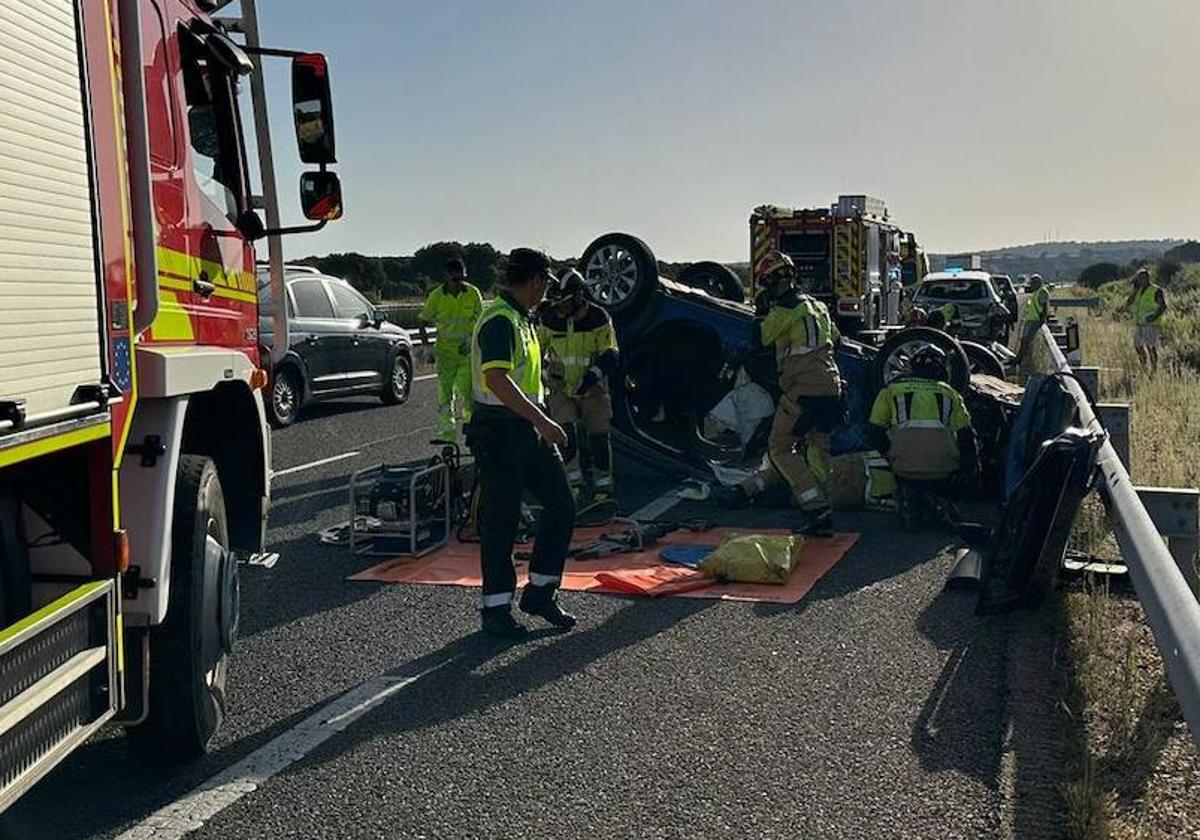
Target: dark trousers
(511, 460)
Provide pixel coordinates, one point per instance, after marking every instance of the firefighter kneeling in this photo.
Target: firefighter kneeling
(580, 349)
(923, 426)
(810, 404)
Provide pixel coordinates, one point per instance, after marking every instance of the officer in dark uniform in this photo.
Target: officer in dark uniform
(515, 444)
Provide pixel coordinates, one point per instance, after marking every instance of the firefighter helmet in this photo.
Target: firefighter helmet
(776, 272)
(930, 362)
(569, 287)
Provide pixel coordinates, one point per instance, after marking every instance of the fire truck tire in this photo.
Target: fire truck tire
(619, 273)
(716, 279)
(398, 384)
(890, 360)
(189, 652)
(287, 392)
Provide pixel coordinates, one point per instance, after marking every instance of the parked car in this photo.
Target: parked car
(339, 345)
(982, 314)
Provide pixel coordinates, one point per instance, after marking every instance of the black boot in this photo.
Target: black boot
(816, 523)
(539, 601)
(499, 622)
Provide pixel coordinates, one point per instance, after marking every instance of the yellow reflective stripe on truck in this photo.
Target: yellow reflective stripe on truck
(177, 270)
(65, 601)
(55, 443)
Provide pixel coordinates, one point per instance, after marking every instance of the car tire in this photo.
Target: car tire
(619, 273)
(982, 360)
(287, 393)
(718, 280)
(189, 652)
(398, 381)
(889, 361)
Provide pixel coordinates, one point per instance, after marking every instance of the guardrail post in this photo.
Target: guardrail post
(1176, 515)
(1089, 377)
(1117, 420)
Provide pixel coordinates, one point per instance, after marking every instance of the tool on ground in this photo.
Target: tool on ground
(637, 538)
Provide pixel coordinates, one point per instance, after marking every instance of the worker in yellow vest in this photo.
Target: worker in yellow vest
(1149, 303)
(1037, 310)
(453, 307)
(579, 352)
(515, 443)
(923, 427)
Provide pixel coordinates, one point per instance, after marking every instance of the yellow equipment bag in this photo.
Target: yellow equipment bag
(753, 558)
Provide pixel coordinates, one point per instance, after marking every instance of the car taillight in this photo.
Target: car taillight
(849, 306)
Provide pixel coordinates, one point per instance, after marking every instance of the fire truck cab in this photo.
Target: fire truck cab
(845, 254)
(134, 448)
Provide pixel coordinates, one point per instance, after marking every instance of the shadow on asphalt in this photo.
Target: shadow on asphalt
(960, 726)
(454, 690)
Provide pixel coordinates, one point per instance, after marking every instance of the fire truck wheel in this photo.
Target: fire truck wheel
(189, 652)
(399, 381)
(716, 279)
(286, 393)
(619, 272)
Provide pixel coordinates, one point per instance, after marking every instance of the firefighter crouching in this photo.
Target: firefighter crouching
(810, 404)
(515, 444)
(579, 349)
(922, 425)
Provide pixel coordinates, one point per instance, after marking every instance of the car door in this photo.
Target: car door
(314, 334)
(366, 351)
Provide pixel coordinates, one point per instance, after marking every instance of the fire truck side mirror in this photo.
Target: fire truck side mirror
(312, 105)
(321, 196)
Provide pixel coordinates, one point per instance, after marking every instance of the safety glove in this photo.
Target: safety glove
(590, 378)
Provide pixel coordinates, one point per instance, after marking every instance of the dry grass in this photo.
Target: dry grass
(1135, 771)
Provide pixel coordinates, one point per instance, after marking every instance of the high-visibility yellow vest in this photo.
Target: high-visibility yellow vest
(525, 367)
(1145, 305)
(923, 418)
(453, 315)
(802, 328)
(1035, 307)
(573, 345)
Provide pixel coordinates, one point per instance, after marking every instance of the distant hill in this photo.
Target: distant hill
(1063, 260)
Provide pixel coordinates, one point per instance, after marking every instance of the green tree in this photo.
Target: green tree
(1097, 274)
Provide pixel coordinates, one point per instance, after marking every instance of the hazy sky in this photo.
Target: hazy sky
(980, 122)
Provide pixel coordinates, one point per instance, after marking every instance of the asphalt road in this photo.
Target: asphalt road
(875, 708)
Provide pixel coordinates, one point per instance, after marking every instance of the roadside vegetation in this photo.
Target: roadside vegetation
(1134, 770)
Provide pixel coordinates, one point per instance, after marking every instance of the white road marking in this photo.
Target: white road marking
(194, 809)
(425, 376)
(335, 458)
(653, 510)
(322, 462)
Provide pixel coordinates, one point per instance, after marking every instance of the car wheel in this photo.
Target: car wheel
(982, 360)
(189, 652)
(399, 381)
(286, 395)
(718, 280)
(895, 356)
(619, 272)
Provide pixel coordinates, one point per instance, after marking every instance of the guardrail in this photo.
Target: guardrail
(1171, 607)
(1077, 302)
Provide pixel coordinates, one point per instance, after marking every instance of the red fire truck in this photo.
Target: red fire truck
(134, 449)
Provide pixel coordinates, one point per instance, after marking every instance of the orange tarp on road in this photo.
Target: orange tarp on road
(641, 573)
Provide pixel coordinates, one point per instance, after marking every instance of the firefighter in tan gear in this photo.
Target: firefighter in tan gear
(803, 334)
(922, 425)
(579, 348)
